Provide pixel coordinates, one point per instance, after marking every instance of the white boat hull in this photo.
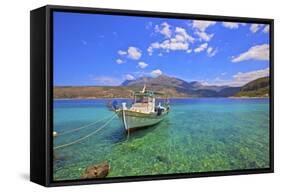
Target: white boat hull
(136, 120)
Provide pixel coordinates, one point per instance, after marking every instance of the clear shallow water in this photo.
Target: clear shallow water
(198, 135)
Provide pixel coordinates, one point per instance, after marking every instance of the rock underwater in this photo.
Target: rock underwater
(96, 171)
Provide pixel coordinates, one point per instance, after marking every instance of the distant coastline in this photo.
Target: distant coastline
(168, 86)
(94, 98)
(245, 97)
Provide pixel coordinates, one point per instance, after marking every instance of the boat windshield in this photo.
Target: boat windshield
(141, 99)
(144, 97)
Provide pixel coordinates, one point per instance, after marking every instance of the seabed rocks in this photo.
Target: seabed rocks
(96, 171)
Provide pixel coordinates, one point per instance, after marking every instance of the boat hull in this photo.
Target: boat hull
(136, 120)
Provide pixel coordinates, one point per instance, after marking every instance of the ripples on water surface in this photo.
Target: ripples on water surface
(198, 135)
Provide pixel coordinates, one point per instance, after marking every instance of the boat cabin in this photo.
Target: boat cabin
(144, 102)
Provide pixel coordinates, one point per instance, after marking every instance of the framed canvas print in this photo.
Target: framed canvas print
(119, 95)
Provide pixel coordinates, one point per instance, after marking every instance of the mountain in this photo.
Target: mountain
(199, 86)
(158, 81)
(91, 92)
(228, 91)
(175, 86)
(255, 88)
(168, 81)
(171, 86)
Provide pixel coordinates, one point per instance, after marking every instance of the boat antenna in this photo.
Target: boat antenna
(144, 87)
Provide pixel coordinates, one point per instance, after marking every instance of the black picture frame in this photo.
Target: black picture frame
(41, 99)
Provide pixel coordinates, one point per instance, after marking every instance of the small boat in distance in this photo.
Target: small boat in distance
(144, 112)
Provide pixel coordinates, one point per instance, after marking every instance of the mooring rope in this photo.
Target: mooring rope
(82, 127)
(85, 137)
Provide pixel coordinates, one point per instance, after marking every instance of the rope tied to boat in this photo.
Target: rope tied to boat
(89, 135)
(83, 127)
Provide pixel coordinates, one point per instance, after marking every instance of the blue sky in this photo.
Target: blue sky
(91, 49)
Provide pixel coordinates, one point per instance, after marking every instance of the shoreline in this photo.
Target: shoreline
(245, 97)
(95, 98)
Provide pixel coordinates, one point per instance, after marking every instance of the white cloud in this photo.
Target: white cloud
(266, 29)
(205, 83)
(120, 52)
(204, 36)
(129, 77)
(240, 78)
(211, 51)
(230, 25)
(155, 45)
(142, 65)
(175, 40)
(119, 61)
(201, 48)
(167, 45)
(156, 73)
(243, 78)
(181, 35)
(164, 29)
(150, 50)
(258, 52)
(173, 44)
(202, 25)
(134, 53)
(105, 80)
(189, 51)
(255, 27)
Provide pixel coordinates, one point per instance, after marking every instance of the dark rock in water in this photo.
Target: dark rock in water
(55, 156)
(61, 157)
(96, 171)
(58, 157)
(162, 159)
(253, 164)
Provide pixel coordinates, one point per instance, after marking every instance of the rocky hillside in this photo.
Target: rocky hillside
(77, 92)
(170, 86)
(256, 88)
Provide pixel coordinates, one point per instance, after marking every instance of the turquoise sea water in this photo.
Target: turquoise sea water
(198, 135)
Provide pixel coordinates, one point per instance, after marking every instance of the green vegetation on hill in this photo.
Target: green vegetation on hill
(170, 86)
(70, 92)
(256, 88)
(92, 92)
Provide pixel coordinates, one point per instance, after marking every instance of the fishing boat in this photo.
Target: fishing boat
(144, 112)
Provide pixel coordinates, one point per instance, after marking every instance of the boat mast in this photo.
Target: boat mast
(143, 89)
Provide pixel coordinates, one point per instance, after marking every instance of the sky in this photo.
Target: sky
(100, 50)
